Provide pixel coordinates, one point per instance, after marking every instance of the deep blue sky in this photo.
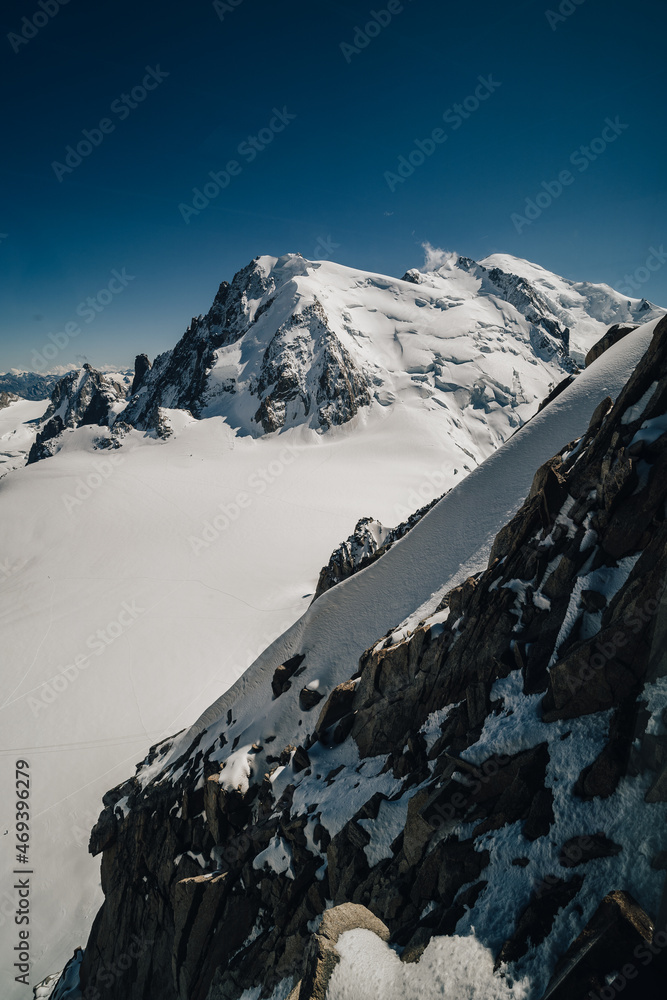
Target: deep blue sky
(323, 176)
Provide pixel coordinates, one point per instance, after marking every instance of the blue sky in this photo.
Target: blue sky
(334, 111)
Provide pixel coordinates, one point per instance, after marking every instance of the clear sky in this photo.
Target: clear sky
(315, 118)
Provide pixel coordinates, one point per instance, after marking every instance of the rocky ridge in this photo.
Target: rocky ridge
(28, 385)
(6, 398)
(178, 378)
(368, 542)
(81, 398)
(511, 747)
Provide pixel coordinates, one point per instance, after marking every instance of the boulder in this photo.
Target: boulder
(536, 921)
(321, 955)
(337, 706)
(282, 674)
(309, 698)
(611, 337)
(580, 850)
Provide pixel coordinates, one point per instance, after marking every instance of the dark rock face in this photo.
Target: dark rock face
(80, 398)
(142, 366)
(6, 398)
(548, 336)
(282, 676)
(177, 378)
(306, 365)
(537, 919)
(231, 922)
(579, 850)
(369, 541)
(611, 337)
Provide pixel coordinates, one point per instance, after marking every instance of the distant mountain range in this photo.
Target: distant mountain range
(28, 385)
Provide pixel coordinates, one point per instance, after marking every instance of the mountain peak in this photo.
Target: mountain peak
(289, 341)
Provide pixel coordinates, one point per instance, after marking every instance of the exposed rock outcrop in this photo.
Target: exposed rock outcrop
(306, 368)
(142, 366)
(321, 955)
(549, 337)
(369, 541)
(178, 378)
(614, 953)
(611, 337)
(6, 398)
(81, 398)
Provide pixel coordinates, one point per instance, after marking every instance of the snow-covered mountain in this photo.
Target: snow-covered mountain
(82, 398)
(292, 342)
(28, 385)
(583, 307)
(19, 425)
(459, 749)
(23, 397)
(172, 528)
(31, 420)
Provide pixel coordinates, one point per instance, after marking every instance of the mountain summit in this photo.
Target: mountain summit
(292, 342)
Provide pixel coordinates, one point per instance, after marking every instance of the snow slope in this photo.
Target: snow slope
(18, 429)
(449, 544)
(586, 308)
